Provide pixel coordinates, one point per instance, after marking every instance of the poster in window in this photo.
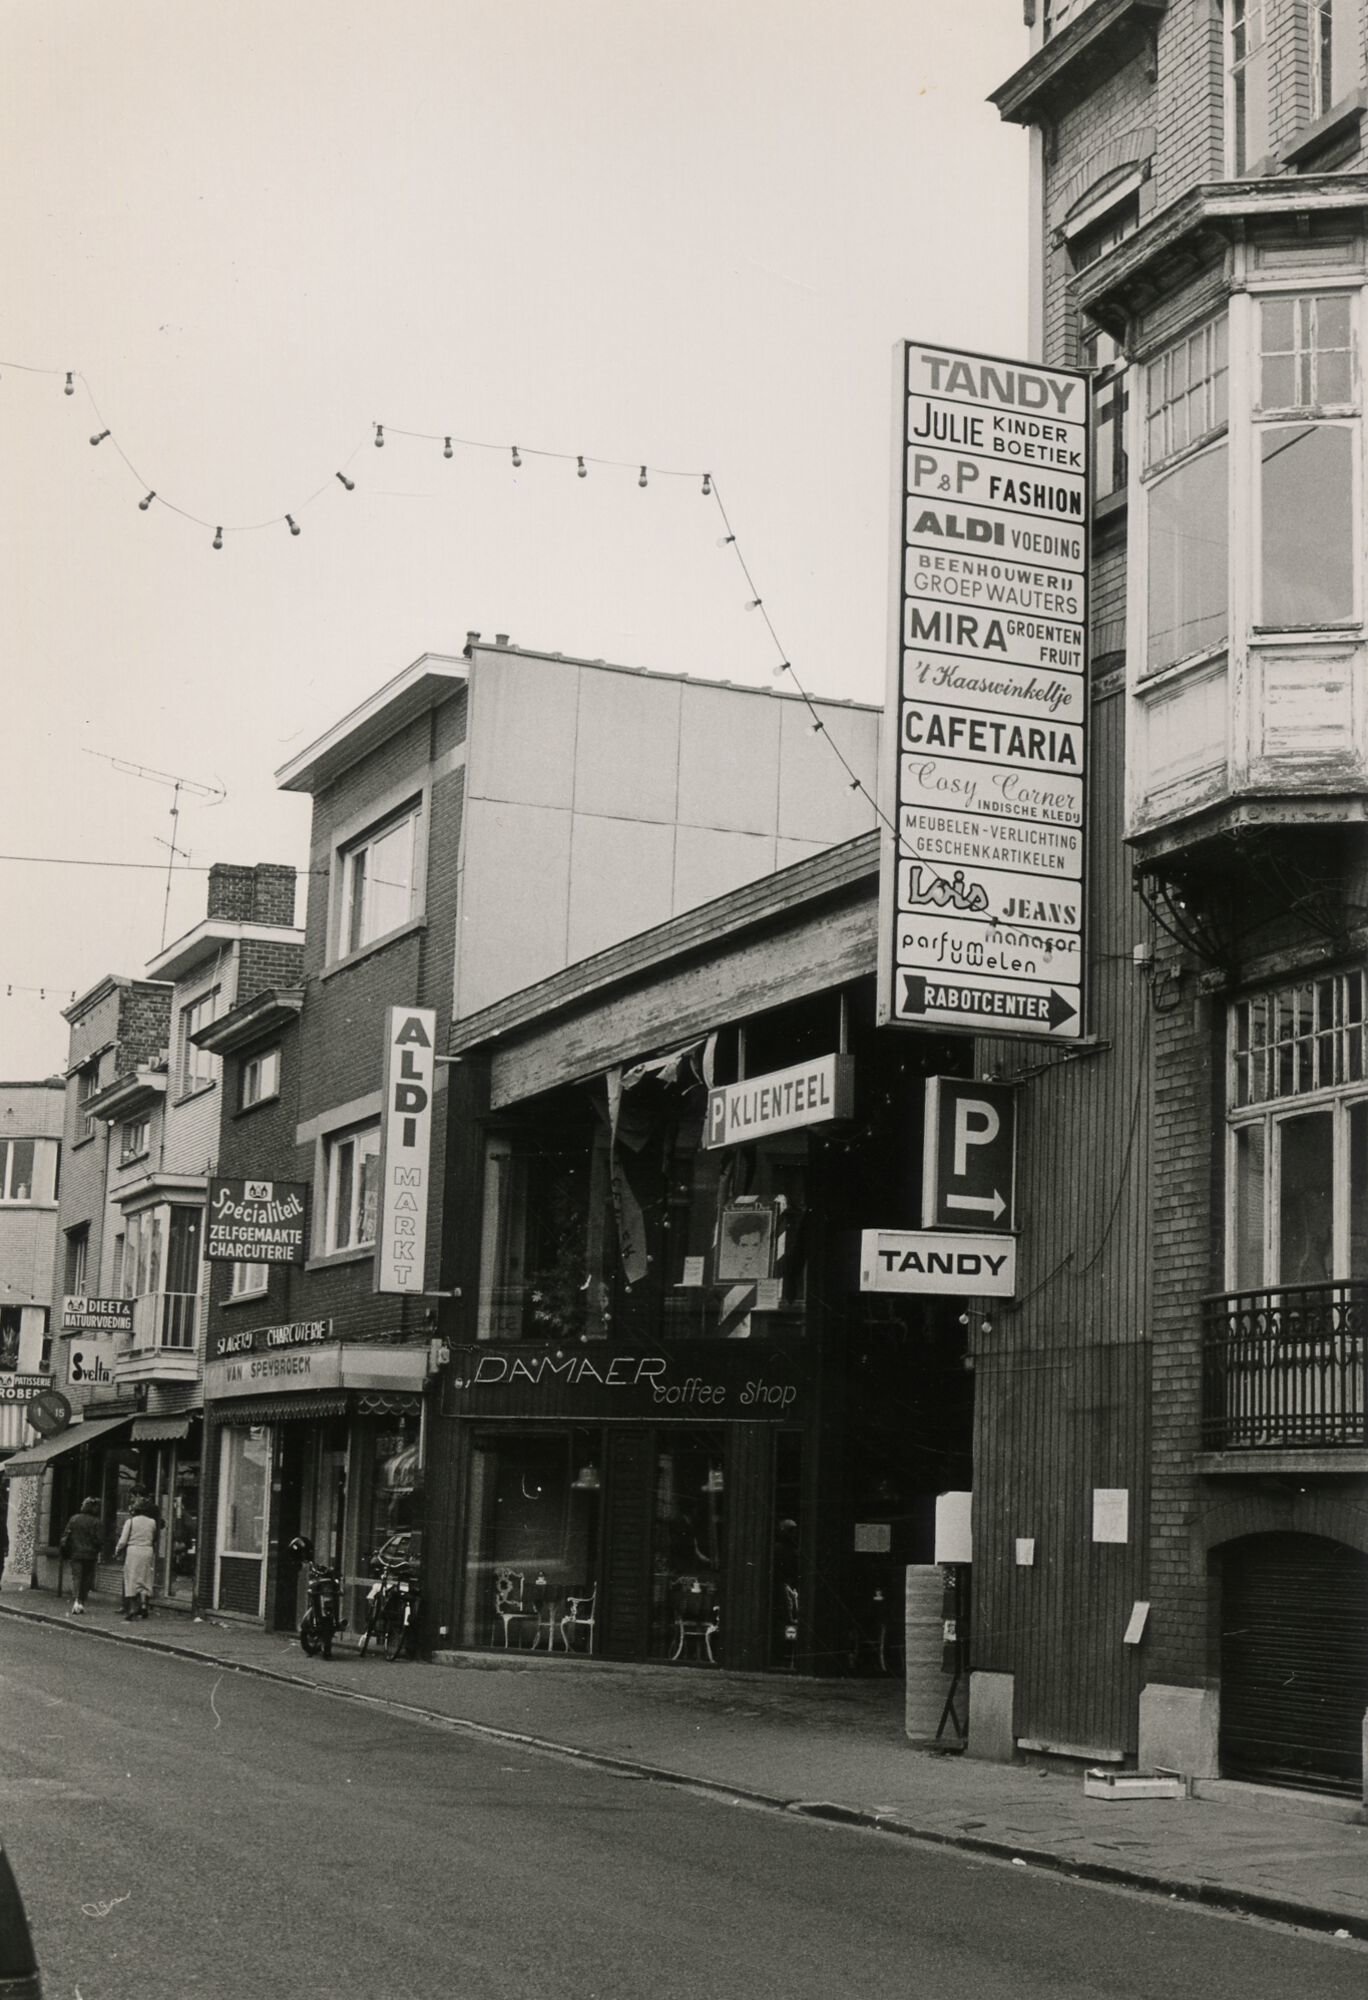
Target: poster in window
(745, 1242)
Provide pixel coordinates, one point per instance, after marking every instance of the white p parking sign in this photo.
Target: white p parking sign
(968, 1154)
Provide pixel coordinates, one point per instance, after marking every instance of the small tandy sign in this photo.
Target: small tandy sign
(87, 1315)
(406, 1149)
(811, 1093)
(256, 1222)
(982, 884)
(947, 1261)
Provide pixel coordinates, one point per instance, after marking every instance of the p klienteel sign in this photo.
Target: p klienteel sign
(984, 776)
(406, 1148)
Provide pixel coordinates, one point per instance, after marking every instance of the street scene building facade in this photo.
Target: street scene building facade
(1200, 245)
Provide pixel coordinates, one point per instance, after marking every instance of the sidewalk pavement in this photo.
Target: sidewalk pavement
(829, 1749)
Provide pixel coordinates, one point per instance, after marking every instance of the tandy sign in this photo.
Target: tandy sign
(937, 1260)
(982, 890)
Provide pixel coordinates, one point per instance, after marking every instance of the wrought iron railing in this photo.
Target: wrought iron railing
(1284, 1369)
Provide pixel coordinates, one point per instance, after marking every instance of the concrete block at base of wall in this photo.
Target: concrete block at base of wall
(992, 1700)
(1365, 1766)
(1180, 1730)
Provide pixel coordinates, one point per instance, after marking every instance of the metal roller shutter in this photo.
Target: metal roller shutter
(1294, 1662)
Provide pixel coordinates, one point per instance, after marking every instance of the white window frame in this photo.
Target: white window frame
(77, 1259)
(1246, 71)
(253, 1090)
(248, 1281)
(135, 1138)
(1328, 1057)
(196, 1069)
(87, 1086)
(9, 1181)
(1340, 415)
(351, 935)
(1331, 29)
(351, 1142)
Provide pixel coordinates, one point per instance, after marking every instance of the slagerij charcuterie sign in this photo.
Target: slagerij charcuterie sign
(256, 1222)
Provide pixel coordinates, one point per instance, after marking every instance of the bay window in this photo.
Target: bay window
(1306, 467)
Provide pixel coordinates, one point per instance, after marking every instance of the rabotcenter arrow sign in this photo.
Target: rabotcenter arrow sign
(982, 888)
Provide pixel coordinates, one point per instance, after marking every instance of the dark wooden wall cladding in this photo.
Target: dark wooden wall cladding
(626, 1545)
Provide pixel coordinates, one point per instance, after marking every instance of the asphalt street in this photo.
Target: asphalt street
(183, 1831)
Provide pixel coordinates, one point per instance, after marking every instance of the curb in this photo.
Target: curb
(1208, 1895)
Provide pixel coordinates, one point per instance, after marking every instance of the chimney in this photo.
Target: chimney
(472, 640)
(230, 892)
(501, 638)
(273, 893)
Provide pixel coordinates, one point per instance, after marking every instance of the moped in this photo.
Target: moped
(323, 1613)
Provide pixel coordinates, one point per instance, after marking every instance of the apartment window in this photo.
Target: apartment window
(1110, 394)
(1306, 467)
(77, 1258)
(17, 1160)
(249, 1280)
(378, 881)
(1087, 245)
(195, 1067)
(1247, 130)
(87, 1084)
(1334, 58)
(1187, 392)
(1298, 1112)
(260, 1078)
(135, 1136)
(1186, 408)
(143, 1253)
(351, 1182)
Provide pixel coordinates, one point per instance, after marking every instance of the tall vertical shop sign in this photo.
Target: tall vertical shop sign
(405, 1148)
(982, 888)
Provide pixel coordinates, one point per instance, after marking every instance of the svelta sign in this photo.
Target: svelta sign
(982, 885)
(87, 1315)
(256, 1222)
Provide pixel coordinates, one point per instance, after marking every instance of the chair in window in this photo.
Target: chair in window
(510, 1603)
(697, 1617)
(581, 1609)
(790, 1626)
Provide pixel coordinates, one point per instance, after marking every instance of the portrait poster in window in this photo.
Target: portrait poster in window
(745, 1242)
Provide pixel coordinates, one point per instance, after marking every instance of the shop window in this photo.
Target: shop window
(1297, 1206)
(532, 1538)
(260, 1078)
(249, 1280)
(195, 1067)
(688, 1546)
(1247, 126)
(244, 1485)
(379, 880)
(135, 1136)
(76, 1260)
(396, 1477)
(547, 1216)
(351, 1187)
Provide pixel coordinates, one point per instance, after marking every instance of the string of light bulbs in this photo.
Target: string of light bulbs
(450, 442)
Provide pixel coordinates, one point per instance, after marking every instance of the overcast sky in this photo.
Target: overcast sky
(679, 232)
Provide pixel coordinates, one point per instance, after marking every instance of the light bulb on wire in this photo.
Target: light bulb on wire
(517, 458)
(581, 469)
(446, 449)
(707, 484)
(70, 389)
(642, 480)
(379, 436)
(350, 484)
(146, 501)
(98, 437)
(292, 524)
(218, 538)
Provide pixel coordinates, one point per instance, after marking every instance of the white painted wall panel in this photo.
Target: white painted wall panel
(621, 881)
(729, 761)
(627, 747)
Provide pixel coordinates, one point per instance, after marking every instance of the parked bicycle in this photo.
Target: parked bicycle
(323, 1613)
(393, 1601)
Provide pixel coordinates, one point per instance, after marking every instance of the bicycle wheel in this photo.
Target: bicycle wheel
(308, 1634)
(396, 1633)
(372, 1627)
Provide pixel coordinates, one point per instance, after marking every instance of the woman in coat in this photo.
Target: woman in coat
(138, 1545)
(80, 1544)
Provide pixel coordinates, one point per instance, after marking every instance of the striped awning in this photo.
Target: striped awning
(152, 1430)
(281, 1409)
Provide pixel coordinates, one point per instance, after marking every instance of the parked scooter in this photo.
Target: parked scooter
(323, 1613)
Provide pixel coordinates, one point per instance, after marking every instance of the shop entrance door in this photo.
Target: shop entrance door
(244, 1516)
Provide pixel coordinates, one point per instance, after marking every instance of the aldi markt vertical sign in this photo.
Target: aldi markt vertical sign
(405, 1148)
(985, 764)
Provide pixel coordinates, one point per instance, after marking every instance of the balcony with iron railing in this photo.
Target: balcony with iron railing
(164, 1343)
(1283, 1370)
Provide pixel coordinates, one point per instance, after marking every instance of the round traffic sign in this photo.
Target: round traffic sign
(49, 1412)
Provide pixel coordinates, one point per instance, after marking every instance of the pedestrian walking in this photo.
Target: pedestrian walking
(80, 1544)
(138, 1546)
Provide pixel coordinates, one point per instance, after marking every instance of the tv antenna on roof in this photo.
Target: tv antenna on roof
(214, 795)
